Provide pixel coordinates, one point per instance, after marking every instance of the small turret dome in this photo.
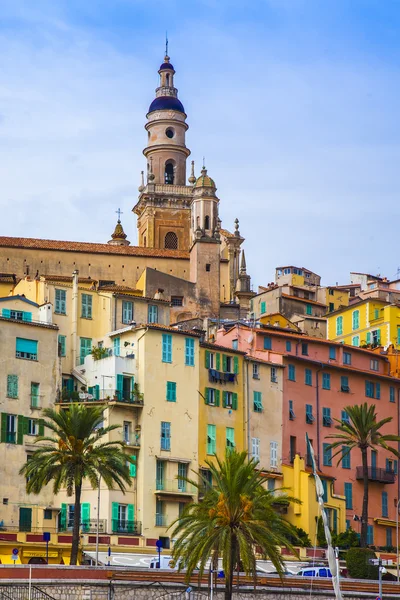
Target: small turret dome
(166, 103)
(204, 180)
(166, 65)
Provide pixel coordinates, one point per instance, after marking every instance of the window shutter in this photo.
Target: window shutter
(131, 512)
(132, 467)
(27, 316)
(41, 427)
(85, 515)
(114, 513)
(224, 363)
(207, 396)
(96, 391)
(377, 390)
(378, 336)
(236, 364)
(70, 385)
(234, 401)
(368, 337)
(207, 359)
(224, 399)
(3, 427)
(26, 425)
(218, 361)
(6, 312)
(63, 517)
(217, 396)
(20, 431)
(120, 386)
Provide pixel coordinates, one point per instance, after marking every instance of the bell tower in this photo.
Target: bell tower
(164, 205)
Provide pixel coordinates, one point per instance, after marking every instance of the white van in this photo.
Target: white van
(315, 572)
(167, 563)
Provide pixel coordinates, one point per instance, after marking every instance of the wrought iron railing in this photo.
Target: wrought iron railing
(377, 474)
(22, 592)
(126, 526)
(177, 486)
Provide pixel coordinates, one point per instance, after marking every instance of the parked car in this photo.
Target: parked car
(320, 571)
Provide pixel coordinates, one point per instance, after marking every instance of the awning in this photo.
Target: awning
(7, 560)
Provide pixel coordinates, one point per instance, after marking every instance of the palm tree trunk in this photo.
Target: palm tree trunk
(229, 577)
(364, 514)
(76, 528)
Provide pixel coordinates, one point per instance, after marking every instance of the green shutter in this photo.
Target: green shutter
(378, 337)
(131, 512)
(41, 427)
(224, 399)
(96, 391)
(21, 429)
(217, 397)
(236, 364)
(224, 363)
(85, 515)
(207, 359)
(6, 312)
(217, 361)
(207, 396)
(120, 386)
(234, 401)
(3, 427)
(63, 517)
(368, 337)
(26, 425)
(114, 511)
(132, 467)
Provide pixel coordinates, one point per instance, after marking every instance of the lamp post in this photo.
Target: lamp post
(98, 523)
(397, 540)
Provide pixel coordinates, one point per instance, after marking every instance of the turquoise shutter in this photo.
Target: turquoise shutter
(63, 517)
(85, 516)
(378, 337)
(6, 312)
(27, 316)
(131, 513)
(217, 396)
(368, 337)
(96, 392)
(117, 346)
(234, 401)
(114, 516)
(132, 467)
(120, 386)
(236, 365)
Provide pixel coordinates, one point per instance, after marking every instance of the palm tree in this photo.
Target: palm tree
(362, 430)
(236, 518)
(73, 453)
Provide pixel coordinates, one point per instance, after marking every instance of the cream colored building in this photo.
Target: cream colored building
(148, 384)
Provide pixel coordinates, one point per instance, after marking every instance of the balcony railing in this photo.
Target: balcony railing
(132, 398)
(161, 520)
(175, 486)
(11, 437)
(377, 474)
(215, 376)
(126, 526)
(132, 440)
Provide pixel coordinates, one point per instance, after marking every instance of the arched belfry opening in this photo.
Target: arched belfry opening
(207, 222)
(169, 174)
(171, 241)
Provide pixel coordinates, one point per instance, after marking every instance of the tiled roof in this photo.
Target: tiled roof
(303, 300)
(226, 233)
(37, 244)
(222, 348)
(67, 278)
(30, 323)
(120, 288)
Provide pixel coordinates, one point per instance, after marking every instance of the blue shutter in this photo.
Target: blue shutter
(28, 346)
(27, 316)
(348, 492)
(189, 352)
(378, 391)
(166, 347)
(267, 343)
(385, 509)
(6, 313)
(117, 346)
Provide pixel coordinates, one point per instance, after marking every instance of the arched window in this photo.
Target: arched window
(169, 173)
(144, 241)
(206, 222)
(171, 241)
(167, 79)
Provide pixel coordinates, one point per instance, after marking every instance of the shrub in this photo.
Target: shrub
(321, 539)
(357, 563)
(346, 539)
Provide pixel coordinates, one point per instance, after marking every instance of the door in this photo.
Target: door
(126, 389)
(25, 519)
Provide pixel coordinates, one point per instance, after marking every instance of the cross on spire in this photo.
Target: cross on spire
(119, 213)
(166, 43)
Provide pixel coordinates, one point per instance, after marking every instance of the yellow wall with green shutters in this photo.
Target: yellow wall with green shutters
(222, 412)
(377, 323)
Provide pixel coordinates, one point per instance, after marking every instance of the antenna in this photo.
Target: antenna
(166, 43)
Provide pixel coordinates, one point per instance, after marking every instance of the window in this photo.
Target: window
(348, 492)
(11, 429)
(127, 311)
(270, 485)
(304, 349)
(339, 325)
(229, 400)
(257, 402)
(288, 346)
(262, 308)
(376, 313)
(344, 384)
(326, 417)
(211, 439)
(374, 365)
(235, 344)
(169, 132)
(12, 386)
(160, 517)
(372, 390)
(385, 509)
(165, 435)
(27, 349)
(85, 348)
(189, 352)
(169, 180)
(292, 415)
(230, 364)
(127, 432)
(309, 414)
(160, 474)
(47, 514)
(331, 292)
(332, 353)
(61, 302)
(389, 537)
(292, 373)
(267, 343)
(391, 466)
(208, 267)
(212, 397)
(346, 358)
(308, 377)
(86, 306)
(345, 417)
(182, 474)
(292, 448)
(376, 337)
(326, 381)
(391, 394)
(325, 495)
(273, 454)
(274, 375)
(176, 300)
(355, 341)
(255, 448)
(33, 428)
(62, 345)
(35, 395)
(230, 437)
(327, 455)
(117, 346)
(167, 347)
(346, 458)
(152, 313)
(331, 306)
(256, 371)
(70, 517)
(370, 535)
(356, 319)
(171, 391)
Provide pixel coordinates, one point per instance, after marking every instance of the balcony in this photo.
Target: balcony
(175, 487)
(129, 398)
(161, 520)
(376, 474)
(127, 527)
(215, 376)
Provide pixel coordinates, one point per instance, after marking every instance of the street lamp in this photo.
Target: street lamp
(98, 523)
(397, 539)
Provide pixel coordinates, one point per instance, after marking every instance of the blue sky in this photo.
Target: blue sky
(294, 103)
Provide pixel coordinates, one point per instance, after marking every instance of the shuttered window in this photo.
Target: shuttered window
(85, 348)
(165, 435)
(348, 492)
(189, 352)
(12, 386)
(127, 311)
(86, 306)
(27, 349)
(167, 347)
(339, 325)
(62, 345)
(153, 313)
(171, 391)
(230, 437)
(61, 302)
(273, 454)
(211, 439)
(257, 402)
(255, 448)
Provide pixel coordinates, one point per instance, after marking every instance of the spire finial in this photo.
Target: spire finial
(119, 213)
(141, 186)
(237, 232)
(166, 43)
(243, 264)
(192, 178)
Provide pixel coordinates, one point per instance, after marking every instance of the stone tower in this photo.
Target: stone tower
(163, 208)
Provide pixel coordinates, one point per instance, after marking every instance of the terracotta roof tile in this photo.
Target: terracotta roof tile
(30, 323)
(37, 244)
